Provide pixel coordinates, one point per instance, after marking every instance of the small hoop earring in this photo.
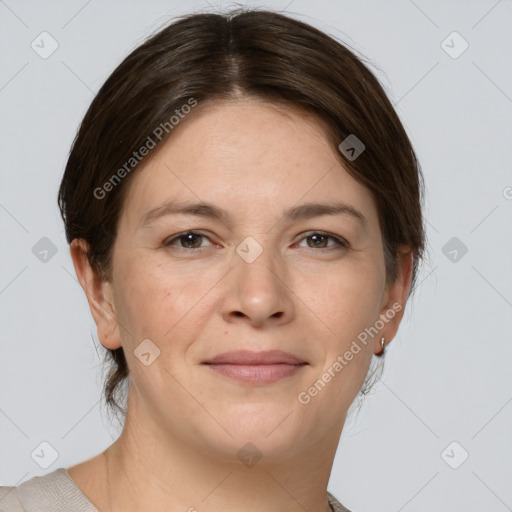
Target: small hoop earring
(382, 344)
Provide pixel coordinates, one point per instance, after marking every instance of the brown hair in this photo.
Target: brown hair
(258, 53)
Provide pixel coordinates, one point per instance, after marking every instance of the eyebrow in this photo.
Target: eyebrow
(210, 211)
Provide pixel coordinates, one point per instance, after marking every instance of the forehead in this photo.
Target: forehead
(246, 154)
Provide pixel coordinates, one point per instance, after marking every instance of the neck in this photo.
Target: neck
(148, 469)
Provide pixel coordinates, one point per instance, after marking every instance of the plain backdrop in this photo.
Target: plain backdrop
(435, 433)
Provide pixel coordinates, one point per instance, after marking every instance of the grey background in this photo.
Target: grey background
(448, 372)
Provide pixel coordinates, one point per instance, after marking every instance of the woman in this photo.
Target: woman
(243, 208)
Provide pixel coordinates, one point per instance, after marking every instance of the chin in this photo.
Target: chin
(254, 448)
(268, 430)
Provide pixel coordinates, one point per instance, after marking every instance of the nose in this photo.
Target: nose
(257, 292)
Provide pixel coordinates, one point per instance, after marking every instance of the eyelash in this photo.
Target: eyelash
(339, 241)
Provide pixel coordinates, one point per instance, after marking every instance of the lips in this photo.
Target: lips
(247, 357)
(256, 367)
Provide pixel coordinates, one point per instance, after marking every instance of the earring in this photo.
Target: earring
(382, 344)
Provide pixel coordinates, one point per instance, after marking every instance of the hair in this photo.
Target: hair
(245, 52)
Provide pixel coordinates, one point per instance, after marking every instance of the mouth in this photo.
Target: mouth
(256, 367)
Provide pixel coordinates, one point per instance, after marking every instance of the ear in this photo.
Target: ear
(395, 298)
(99, 295)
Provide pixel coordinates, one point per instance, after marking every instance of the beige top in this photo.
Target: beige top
(57, 492)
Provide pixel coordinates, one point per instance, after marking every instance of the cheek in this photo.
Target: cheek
(348, 304)
(346, 299)
(152, 300)
(144, 299)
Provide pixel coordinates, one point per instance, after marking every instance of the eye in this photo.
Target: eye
(190, 240)
(319, 239)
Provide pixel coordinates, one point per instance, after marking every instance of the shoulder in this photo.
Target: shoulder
(9, 501)
(336, 506)
(54, 492)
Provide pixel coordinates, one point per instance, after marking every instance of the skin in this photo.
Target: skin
(185, 422)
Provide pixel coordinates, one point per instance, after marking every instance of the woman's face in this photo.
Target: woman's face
(256, 278)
